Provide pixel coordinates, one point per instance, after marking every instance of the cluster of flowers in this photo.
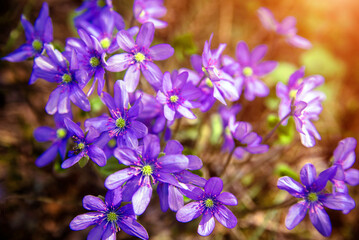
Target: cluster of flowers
(136, 120)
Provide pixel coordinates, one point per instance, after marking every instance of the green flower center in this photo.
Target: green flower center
(209, 203)
(312, 197)
(209, 83)
(247, 71)
(61, 133)
(112, 143)
(66, 78)
(101, 3)
(37, 45)
(293, 93)
(174, 98)
(112, 217)
(147, 170)
(227, 131)
(94, 61)
(120, 123)
(142, 14)
(105, 43)
(139, 57)
(80, 146)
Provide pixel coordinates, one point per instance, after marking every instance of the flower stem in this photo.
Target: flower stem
(228, 161)
(269, 135)
(163, 135)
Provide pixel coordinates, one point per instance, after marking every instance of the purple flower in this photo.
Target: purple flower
(108, 217)
(145, 166)
(139, 56)
(248, 69)
(70, 80)
(91, 58)
(58, 136)
(244, 139)
(177, 95)
(148, 11)
(313, 198)
(229, 112)
(209, 203)
(84, 146)
(122, 123)
(171, 196)
(286, 28)
(36, 37)
(221, 83)
(299, 100)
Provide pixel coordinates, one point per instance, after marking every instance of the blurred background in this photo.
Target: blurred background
(39, 203)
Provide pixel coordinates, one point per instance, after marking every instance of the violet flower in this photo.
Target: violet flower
(68, 76)
(91, 58)
(108, 217)
(222, 83)
(248, 69)
(58, 136)
(36, 37)
(177, 94)
(209, 203)
(313, 198)
(122, 123)
(148, 11)
(84, 146)
(299, 100)
(139, 56)
(286, 28)
(145, 166)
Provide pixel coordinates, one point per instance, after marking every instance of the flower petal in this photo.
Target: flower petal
(125, 41)
(242, 53)
(296, 214)
(291, 186)
(227, 198)
(119, 62)
(308, 174)
(97, 155)
(93, 203)
(207, 224)
(189, 212)
(173, 163)
(338, 201)
(82, 221)
(142, 196)
(213, 186)
(71, 161)
(132, 227)
(145, 35)
(132, 77)
(320, 219)
(118, 178)
(74, 128)
(225, 217)
(258, 53)
(175, 198)
(48, 156)
(173, 147)
(161, 52)
(152, 74)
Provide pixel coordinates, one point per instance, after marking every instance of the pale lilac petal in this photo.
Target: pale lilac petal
(118, 178)
(186, 112)
(267, 19)
(132, 77)
(352, 177)
(189, 212)
(82, 221)
(151, 146)
(258, 53)
(152, 74)
(167, 82)
(142, 197)
(175, 198)
(242, 53)
(79, 98)
(51, 106)
(139, 129)
(265, 67)
(169, 113)
(173, 147)
(300, 42)
(120, 95)
(291, 186)
(132, 227)
(161, 52)
(296, 214)
(173, 163)
(119, 62)
(93, 203)
(125, 41)
(206, 225)
(145, 35)
(195, 163)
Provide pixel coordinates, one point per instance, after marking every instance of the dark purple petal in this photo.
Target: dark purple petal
(213, 186)
(142, 196)
(225, 217)
(320, 219)
(291, 186)
(28, 28)
(308, 174)
(132, 227)
(173, 147)
(132, 77)
(93, 203)
(227, 198)
(125, 41)
(130, 188)
(194, 162)
(92, 135)
(296, 214)
(82, 221)
(140, 130)
(79, 98)
(74, 128)
(194, 193)
(162, 191)
(338, 201)
(151, 146)
(175, 198)
(137, 108)
(173, 163)
(44, 134)
(97, 232)
(145, 35)
(119, 62)
(113, 198)
(206, 224)
(24, 52)
(189, 212)
(71, 161)
(48, 156)
(108, 101)
(161, 52)
(109, 232)
(320, 183)
(97, 155)
(118, 178)
(40, 22)
(170, 179)
(120, 95)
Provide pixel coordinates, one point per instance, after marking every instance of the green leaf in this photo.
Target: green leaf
(217, 128)
(283, 169)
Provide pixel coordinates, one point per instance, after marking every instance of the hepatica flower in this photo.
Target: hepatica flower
(286, 28)
(58, 136)
(300, 100)
(211, 204)
(177, 94)
(249, 68)
(108, 217)
(122, 124)
(146, 168)
(70, 79)
(148, 11)
(84, 146)
(36, 37)
(91, 58)
(139, 57)
(313, 198)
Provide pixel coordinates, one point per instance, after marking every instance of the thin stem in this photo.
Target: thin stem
(176, 129)
(269, 135)
(132, 21)
(228, 161)
(284, 204)
(163, 134)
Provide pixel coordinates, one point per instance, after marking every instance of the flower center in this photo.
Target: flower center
(142, 14)
(80, 146)
(227, 131)
(147, 170)
(101, 3)
(94, 61)
(37, 45)
(120, 122)
(209, 83)
(61, 133)
(247, 71)
(66, 78)
(112, 217)
(174, 98)
(312, 197)
(293, 93)
(139, 57)
(105, 43)
(209, 203)
(111, 143)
